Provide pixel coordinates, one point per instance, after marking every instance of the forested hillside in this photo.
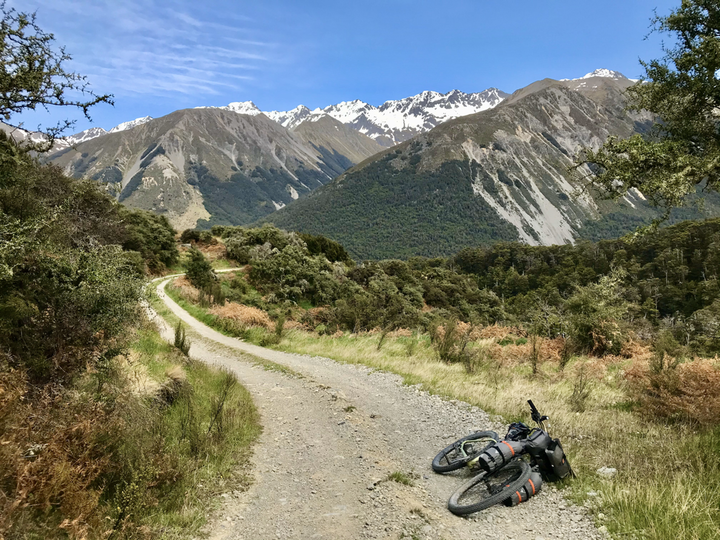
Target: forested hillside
(503, 174)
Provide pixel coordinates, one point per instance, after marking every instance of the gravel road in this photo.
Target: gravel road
(331, 438)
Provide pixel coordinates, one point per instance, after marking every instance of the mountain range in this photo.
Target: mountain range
(501, 174)
(215, 166)
(393, 122)
(236, 164)
(424, 175)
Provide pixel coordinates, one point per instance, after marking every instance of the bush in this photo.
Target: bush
(198, 237)
(152, 236)
(595, 315)
(181, 342)
(200, 271)
(450, 343)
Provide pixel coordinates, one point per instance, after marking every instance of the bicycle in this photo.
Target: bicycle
(506, 476)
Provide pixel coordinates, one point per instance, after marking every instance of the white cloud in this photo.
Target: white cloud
(153, 47)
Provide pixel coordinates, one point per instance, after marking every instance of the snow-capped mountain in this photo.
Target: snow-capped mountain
(602, 72)
(292, 119)
(501, 174)
(131, 124)
(400, 120)
(391, 123)
(397, 120)
(85, 135)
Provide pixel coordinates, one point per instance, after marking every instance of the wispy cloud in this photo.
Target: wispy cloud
(157, 48)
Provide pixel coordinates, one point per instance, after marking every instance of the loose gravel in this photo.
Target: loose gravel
(333, 436)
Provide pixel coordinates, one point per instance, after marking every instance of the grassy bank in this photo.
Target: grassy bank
(668, 475)
(135, 448)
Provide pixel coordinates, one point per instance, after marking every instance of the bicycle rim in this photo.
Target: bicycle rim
(486, 490)
(462, 451)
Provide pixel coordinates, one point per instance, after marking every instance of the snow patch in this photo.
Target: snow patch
(131, 124)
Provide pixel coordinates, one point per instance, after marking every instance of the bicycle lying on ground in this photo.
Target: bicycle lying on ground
(512, 468)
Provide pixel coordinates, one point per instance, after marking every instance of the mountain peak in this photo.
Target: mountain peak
(243, 107)
(603, 73)
(131, 124)
(606, 73)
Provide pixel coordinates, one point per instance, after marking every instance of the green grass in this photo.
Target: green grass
(401, 478)
(207, 460)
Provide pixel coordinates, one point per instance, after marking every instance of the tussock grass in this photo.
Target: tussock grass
(401, 478)
(204, 442)
(132, 448)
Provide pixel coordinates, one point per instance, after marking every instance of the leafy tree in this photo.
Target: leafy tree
(320, 245)
(596, 313)
(33, 74)
(683, 91)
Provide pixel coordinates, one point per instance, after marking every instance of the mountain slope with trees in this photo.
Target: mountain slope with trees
(502, 174)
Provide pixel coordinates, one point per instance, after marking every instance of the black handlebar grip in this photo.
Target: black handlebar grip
(535, 413)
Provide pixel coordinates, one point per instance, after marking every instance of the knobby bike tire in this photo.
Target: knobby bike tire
(486, 490)
(451, 458)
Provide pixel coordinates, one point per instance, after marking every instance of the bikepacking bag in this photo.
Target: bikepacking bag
(548, 454)
(496, 456)
(529, 489)
(558, 466)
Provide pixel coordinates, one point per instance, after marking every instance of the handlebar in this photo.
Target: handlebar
(536, 416)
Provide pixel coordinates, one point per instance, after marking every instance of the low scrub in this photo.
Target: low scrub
(107, 457)
(245, 315)
(609, 409)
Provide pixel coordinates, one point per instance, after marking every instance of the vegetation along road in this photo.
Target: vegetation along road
(346, 453)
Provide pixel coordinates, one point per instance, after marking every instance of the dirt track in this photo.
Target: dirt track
(331, 438)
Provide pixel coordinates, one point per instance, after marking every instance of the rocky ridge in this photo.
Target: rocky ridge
(214, 165)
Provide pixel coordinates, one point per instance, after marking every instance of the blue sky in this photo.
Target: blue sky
(160, 56)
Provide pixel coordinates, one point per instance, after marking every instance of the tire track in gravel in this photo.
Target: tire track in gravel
(332, 436)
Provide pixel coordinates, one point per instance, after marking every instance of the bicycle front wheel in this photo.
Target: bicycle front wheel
(462, 451)
(486, 490)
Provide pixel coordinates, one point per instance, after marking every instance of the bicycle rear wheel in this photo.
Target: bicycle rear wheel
(486, 490)
(462, 451)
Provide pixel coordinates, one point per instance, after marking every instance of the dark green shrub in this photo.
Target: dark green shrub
(319, 245)
(152, 236)
(199, 270)
(199, 237)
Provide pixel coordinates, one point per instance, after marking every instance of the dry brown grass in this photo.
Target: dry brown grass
(185, 289)
(51, 453)
(214, 252)
(293, 325)
(495, 331)
(689, 392)
(400, 332)
(245, 315)
(139, 381)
